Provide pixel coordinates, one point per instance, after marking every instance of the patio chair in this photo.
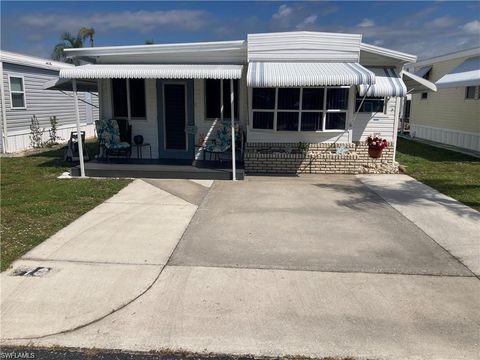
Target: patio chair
(221, 144)
(114, 139)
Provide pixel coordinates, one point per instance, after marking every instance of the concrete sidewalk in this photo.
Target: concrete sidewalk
(100, 262)
(453, 225)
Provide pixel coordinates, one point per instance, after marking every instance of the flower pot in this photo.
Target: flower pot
(375, 152)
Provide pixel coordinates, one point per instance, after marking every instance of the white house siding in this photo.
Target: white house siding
(304, 46)
(367, 124)
(41, 103)
(446, 116)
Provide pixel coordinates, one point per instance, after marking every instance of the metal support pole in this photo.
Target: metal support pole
(79, 133)
(234, 166)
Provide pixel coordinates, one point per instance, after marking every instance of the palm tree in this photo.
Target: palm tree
(86, 32)
(68, 41)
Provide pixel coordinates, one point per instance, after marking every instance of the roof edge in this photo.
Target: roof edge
(449, 56)
(388, 52)
(32, 61)
(154, 48)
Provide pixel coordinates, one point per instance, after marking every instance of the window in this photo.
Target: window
(121, 89)
(424, 96)
(370, 104)
(17, 93)
(300, 109)
(263, 101)
(470, 92)
(137, 99)
(217, 94)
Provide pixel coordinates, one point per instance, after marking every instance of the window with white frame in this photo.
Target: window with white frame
(370, 104)
(300, 109)
(17, 92)
(128, 96)
(217, 95)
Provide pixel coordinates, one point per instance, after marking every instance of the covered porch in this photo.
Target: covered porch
(165, 131)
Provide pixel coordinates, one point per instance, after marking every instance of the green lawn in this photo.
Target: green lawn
(452, 173)
(35, 204)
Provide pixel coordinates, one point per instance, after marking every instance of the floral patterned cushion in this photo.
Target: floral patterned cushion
(223, 139)
(109, 135)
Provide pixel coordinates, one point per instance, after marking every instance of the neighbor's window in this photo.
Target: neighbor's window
(424, 96)
(217, 94)
(17, 92)
(299, 109)
(370, 104)
(121, 88)
(470, 92)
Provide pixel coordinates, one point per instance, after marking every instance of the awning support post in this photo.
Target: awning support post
(234, 170)
(79, 133)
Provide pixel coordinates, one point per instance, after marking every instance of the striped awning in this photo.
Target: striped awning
(152, 71)
(275, 74)
(465, 74)
(387, 83)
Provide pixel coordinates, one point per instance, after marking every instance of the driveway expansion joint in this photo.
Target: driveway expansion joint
(318, 271)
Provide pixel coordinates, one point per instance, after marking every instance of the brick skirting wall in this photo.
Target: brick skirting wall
(280, 158)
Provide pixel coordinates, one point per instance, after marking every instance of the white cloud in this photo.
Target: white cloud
(472, 27)
(282, 12)
(366, 23)
(141, 21)
(378, 42)
(309, 20)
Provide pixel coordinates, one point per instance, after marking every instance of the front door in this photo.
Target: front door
(175, 119)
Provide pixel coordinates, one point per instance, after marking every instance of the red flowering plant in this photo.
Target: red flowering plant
(377, 143)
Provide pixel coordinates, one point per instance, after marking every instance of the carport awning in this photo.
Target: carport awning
(423, 71)
(465, 74)
(387, 83)
(152, 71)
(276, 74)
(416, 84)
(66, 85)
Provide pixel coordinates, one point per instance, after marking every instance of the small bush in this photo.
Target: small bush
(36, 133)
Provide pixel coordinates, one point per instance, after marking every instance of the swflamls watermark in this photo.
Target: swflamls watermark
(17, 355)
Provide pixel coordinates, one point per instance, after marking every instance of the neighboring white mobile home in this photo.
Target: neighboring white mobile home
(23, 95)
(327, 90)
(452, 114)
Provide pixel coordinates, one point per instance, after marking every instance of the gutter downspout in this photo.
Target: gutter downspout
(4, 113)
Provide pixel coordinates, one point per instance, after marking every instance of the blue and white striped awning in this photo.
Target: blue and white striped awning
(152, 71)
(276, 74)
(387, 83)
(465, 74)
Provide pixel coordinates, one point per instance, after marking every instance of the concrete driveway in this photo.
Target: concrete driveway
(316, 223)
(314, 266)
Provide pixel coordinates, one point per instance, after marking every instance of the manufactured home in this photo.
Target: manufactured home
(301, 102)
(451, 115)
(23, 95)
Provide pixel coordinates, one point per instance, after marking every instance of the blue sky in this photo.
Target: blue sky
(422, 28)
